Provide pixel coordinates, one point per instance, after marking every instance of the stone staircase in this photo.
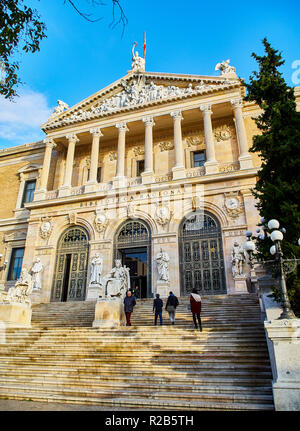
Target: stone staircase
(63, 359)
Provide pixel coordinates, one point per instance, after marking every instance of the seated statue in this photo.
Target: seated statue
(116, 282)
(21, 290)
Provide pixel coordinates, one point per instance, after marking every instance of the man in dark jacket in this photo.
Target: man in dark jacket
(129, 303)
(157, 307)
(171, 305)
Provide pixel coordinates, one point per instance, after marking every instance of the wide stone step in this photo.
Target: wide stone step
(140, 403)
(142, 394)
(208, 382)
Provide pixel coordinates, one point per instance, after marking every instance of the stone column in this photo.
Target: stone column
(178, 170)
(92, 182)
(245, 158)
(66, 187)
(119, 179)
(211, 164)
(148, 174)
(41, 192)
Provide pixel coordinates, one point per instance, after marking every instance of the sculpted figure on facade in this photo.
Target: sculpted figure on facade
(137, 63)
(96, 270)
(116, 282)
(162, 260)
(238, 256)
(21, 290)
(36, 271)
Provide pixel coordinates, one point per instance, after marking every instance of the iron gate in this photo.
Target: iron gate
(71, 265)
(201, 255)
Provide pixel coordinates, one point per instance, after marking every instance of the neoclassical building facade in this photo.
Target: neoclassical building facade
(153, 162)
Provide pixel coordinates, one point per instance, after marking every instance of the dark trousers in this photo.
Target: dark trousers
(128, 314)
(158, 313)
(199, 321)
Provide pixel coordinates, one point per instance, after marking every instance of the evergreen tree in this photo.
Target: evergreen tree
(278, 186)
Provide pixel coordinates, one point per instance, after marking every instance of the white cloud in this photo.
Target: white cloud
(20, 120)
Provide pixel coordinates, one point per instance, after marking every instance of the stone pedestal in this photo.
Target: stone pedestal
(211, 168)
(93, 293)
(91, 187)
(163, 288)
(178, 173)
(109, 313)
(246, 162)
(64, 191)
(15, 315)
(285, 342)
(240, 284)
(147, 177)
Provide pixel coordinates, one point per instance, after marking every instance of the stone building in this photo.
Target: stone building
(153, 162)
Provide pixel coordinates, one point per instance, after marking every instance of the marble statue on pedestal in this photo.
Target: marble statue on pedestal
(21, 290)
(226, 69)
(238, 257)
(116, 282)
(162, 260)
(96, 270)
(36, 270)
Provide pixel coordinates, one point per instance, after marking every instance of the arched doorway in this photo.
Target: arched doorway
(69, 282)
(201, 254)
(133, 247)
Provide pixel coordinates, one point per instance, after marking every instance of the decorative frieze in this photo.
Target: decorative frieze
(166, 146)
(139, 151)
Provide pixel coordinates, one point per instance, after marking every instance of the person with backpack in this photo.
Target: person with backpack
(195, 301)
(171, 305)
(157, 308)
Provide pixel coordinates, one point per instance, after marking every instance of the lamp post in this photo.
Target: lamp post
(276, 236)
(275, 250)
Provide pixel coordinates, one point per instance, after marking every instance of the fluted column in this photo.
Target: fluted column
(245, 158)
(65, 188)
(120, 171)
(41, 192)
(148, 174)
(92, 182)
(178, 170)
(211, 164)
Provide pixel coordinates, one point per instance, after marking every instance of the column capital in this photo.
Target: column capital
(206, 109)
(96, 132)
(148, 121)
(122, 127)
(237, 103)
(72, 137)
(50, 143)
(176, 115)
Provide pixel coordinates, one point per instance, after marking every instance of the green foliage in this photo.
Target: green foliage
(278, 186)
(20, 27)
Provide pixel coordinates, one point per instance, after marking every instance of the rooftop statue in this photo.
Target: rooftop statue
(226, 69)
(61, 106)
(137, 63)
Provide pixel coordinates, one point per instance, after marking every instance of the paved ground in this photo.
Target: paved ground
(14, 405)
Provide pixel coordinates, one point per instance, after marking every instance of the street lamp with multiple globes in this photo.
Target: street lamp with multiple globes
(275, 250)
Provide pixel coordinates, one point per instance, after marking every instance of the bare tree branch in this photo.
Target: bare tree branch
(95, 3)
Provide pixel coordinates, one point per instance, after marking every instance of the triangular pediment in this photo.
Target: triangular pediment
(137, 90)
(29, 168)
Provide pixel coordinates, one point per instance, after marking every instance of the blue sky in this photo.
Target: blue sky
(79, 58)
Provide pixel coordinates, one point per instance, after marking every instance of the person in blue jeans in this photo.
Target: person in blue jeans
(157, 308)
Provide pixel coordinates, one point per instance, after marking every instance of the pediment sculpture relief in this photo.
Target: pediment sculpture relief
(136, 93)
